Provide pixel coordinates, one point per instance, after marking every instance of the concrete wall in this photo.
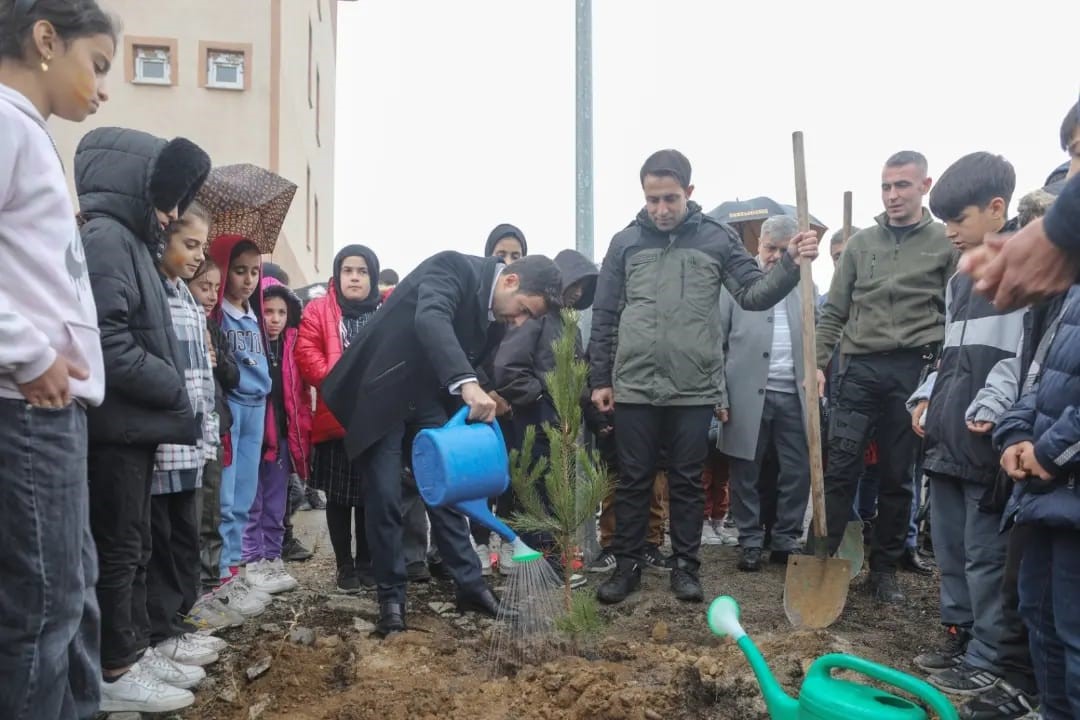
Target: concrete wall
(269, 123)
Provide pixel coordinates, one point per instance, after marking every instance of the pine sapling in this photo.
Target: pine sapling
(559, 493)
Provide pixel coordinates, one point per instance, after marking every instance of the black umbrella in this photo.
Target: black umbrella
(746, 216)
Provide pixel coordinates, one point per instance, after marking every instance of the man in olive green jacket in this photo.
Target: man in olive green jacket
(653, 353)
(886, 310)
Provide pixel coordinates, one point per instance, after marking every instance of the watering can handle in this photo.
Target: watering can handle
(937, 702)
(461, 417)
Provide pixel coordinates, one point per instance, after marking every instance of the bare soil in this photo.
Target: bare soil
(654, 659)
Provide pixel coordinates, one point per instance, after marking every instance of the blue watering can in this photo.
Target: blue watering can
(461, 465)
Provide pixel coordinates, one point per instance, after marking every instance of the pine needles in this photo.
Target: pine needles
(558, 493)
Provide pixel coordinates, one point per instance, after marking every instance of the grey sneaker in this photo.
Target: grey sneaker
(209, 613)
(964, 679)
(1001, 702)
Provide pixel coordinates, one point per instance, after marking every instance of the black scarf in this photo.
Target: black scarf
(356, 308)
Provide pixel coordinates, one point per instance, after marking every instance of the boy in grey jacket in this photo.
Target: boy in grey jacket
(961, 462)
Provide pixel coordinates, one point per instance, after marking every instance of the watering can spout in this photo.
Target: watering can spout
(723, 619)
(478, 512)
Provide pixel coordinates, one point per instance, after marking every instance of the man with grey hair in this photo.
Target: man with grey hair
(763, 364)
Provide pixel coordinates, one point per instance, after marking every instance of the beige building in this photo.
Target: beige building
(249, 81)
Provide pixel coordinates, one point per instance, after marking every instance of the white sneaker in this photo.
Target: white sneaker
(263, 577)
(506, 559)
(237, 596)
(483, 552)
(170, 672)
(139, 691)
(726, 531)
(207, 641)
(260, 595)
(709, 535)
(181, 650)
(277, 567)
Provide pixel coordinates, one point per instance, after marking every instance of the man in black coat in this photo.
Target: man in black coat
(430, 342)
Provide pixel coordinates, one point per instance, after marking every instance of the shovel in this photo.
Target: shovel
(851, 545)
(816, 586)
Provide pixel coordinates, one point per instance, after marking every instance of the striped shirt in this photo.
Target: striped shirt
(178, 468)
(781, 356)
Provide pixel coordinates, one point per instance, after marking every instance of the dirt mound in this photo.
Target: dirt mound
(656, 658)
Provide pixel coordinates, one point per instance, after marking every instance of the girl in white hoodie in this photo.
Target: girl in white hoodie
(54, 55)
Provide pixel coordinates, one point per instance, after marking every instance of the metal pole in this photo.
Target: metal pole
(583, 222)
(584, 129)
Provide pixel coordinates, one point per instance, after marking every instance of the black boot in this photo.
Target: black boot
(418, 572)
(348, 580)
(885, 589)
(483, 601)
(292, 550)
(391, 619)
(685, 583)
(749, 559)
(366, 575)
(913, 562)
(625, 580)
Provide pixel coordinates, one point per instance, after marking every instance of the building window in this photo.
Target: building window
(152, 66)
(307, 210)
(310, 56)
(316, 233)
(150, 60)
(225, 66)
(225, 70)
(318, 106)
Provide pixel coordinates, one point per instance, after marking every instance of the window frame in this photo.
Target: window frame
(135, 45)
(208, 49)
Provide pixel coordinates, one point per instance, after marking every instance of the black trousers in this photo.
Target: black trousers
(871, 394)
(340, 520)
(172, 578)
(1014, 650)
(119, 477)
(642, 434)
(208, 518)
(382, 464)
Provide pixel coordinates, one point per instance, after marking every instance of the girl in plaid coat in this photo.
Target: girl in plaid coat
(173, 572)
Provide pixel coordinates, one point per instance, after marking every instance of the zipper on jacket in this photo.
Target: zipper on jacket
(295, 428)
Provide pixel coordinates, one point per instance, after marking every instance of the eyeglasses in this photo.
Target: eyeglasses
(23, 7)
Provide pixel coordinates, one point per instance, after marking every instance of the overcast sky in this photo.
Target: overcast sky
(456, 116)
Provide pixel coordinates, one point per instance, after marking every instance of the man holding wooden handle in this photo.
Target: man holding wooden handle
(654, 355)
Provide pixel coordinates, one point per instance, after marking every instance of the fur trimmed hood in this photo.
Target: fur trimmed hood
(125, 174)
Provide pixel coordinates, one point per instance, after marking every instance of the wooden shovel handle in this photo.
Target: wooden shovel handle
(809, 344)
(847, 217)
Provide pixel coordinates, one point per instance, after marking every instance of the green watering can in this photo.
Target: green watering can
(823, 697)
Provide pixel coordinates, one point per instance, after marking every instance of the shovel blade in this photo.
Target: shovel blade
(852, 548)
(815, 590)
